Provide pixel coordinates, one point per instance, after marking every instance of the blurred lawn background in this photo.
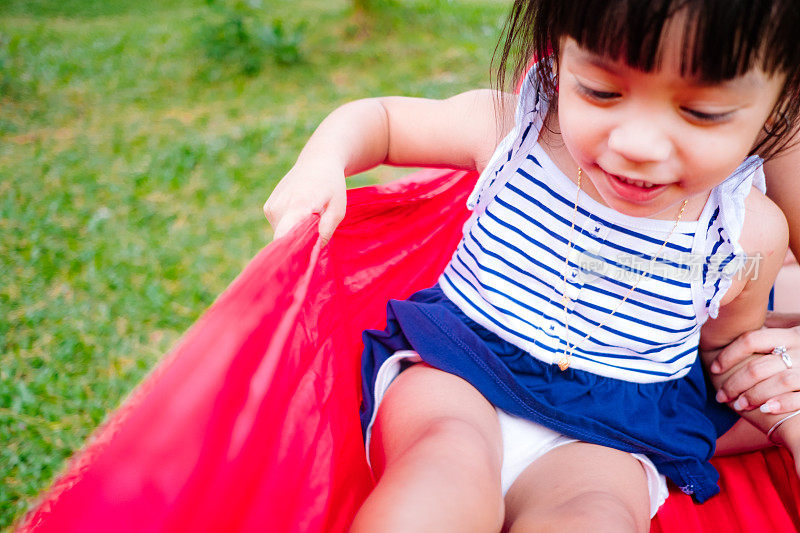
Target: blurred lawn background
(138, 141)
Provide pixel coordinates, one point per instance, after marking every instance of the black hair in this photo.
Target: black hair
(722, 40)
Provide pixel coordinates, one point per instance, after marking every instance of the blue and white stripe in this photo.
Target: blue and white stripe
(508, 272)
(508, 275)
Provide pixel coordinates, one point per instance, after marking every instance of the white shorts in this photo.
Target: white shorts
(523, 441)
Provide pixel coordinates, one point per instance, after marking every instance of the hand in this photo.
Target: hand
(763, 379)
(306, 190)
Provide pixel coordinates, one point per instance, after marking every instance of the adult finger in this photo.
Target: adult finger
(785, 382)
(750, 375)
(757, 341)
(782, 403)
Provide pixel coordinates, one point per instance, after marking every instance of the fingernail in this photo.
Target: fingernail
(715, 367)
(769, 407)
(740, 403)
(722, 397)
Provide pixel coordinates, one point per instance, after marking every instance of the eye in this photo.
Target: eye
(599, 96)
(701, 116)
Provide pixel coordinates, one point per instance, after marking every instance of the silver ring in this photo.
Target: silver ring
(781, 351)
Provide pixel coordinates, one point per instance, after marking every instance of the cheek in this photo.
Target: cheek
(709, 159)
(582, 132)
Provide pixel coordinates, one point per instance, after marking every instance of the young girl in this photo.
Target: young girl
(551, 378)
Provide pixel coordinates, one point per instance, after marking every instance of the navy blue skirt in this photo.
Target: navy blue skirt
(675, 423)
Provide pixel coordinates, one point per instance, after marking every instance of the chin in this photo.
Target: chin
(633, 209)
(631, 205)
(639, 211)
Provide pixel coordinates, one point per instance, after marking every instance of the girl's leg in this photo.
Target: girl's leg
(580, 487)
(437, 451)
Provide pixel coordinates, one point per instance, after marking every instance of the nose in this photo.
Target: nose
(640, 140)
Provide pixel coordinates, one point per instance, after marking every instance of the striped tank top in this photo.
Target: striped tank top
(508, 271)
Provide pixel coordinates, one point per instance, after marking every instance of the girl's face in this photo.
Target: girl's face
(649, 140)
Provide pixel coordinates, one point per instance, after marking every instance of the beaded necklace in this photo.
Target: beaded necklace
(564, 361)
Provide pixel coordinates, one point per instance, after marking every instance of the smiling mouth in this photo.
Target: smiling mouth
(636, 183)
(635, 190)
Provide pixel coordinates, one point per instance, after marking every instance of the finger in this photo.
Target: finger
(269, 211)
(319, 207)
(287, 222)
(758, 341)
(750, 374)
(331, 217)
(782, 403)
(786, 381)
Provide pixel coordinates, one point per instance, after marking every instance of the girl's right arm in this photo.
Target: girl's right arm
(459, 132)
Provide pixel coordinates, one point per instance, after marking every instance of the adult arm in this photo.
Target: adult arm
(783, 179)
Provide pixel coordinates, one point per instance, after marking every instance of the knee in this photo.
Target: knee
(463, 442)
(469, 460)
(603, 512)
(592, 511)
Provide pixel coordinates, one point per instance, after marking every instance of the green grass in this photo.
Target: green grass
(132, 173)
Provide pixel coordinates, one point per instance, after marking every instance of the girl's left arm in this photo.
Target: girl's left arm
(764, 239)
(783, 174)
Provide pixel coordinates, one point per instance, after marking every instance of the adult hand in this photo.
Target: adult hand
(306, 190)
(765, 381)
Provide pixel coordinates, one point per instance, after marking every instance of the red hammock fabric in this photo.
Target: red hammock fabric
(251, 423)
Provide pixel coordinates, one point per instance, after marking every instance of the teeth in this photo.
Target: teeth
(638, 183)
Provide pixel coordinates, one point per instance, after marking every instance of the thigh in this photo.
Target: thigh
(579, 486)
(422, 400)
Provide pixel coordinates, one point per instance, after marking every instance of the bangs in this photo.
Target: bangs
(721, 39)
